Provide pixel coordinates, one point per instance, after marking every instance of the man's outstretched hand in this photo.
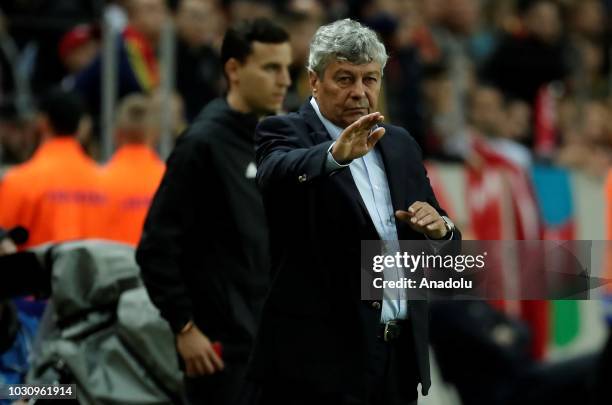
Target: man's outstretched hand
(424, 219)
(358, 138)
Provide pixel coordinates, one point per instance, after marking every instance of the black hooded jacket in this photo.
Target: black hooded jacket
(204, 248)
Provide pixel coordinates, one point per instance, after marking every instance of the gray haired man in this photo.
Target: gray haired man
(333, 174)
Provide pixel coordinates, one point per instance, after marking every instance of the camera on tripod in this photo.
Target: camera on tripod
(11, 259)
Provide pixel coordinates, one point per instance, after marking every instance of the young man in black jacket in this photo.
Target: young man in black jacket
(204, 249)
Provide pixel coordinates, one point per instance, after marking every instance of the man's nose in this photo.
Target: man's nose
(358, 90)
(284, 78)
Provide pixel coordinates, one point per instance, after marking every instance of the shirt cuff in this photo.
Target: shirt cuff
(331, 164)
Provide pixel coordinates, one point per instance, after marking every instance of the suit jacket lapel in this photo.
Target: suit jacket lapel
(390, 151)
(319, 134)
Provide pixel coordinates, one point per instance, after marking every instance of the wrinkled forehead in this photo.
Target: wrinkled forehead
(340, 65)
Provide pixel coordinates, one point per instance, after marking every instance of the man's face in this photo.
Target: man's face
(544, 22)
(487, 110)
(82, 56)
(346, 91)
(262, 80)
(148, 17)
(194, 22)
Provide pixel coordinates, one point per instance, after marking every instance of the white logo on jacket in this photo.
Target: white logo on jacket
(251, 171)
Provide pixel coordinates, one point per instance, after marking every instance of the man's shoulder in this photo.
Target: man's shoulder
(293, 121)
(290, 118)
(200, 133)
(12, 177)
(20, 172)
(400, 134)
(396, 130)
(212, 117)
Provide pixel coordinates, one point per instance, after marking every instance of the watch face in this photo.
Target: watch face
(449, 224)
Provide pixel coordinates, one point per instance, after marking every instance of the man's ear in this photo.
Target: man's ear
(314, 81)
(232, 66)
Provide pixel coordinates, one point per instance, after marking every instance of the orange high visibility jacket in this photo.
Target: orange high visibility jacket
(130, 180)
(55, 194)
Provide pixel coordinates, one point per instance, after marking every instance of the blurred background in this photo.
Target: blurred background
(510, 101)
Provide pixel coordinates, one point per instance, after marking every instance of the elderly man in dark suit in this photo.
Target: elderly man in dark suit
(333, 175)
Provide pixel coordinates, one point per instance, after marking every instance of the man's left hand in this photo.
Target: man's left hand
(424, 219)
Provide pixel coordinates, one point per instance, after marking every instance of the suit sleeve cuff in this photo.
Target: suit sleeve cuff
(330, 164)
(178, 323)
(448, 236)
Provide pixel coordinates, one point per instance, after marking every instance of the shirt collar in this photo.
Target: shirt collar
(333, 129)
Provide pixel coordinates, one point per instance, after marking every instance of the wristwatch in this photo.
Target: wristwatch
(450, 226)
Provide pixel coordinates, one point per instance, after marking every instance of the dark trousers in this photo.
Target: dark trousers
(223, 388)
(391, 374)
(392, 366)
(601, 390)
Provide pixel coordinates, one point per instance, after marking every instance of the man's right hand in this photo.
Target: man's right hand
(197, 352)
(358, 138)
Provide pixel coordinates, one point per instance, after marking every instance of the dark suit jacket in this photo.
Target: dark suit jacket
(311, 331)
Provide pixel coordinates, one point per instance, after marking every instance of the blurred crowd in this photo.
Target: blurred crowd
(530, 77)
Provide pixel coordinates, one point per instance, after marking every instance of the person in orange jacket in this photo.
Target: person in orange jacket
(54, 195)
(130, 178)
